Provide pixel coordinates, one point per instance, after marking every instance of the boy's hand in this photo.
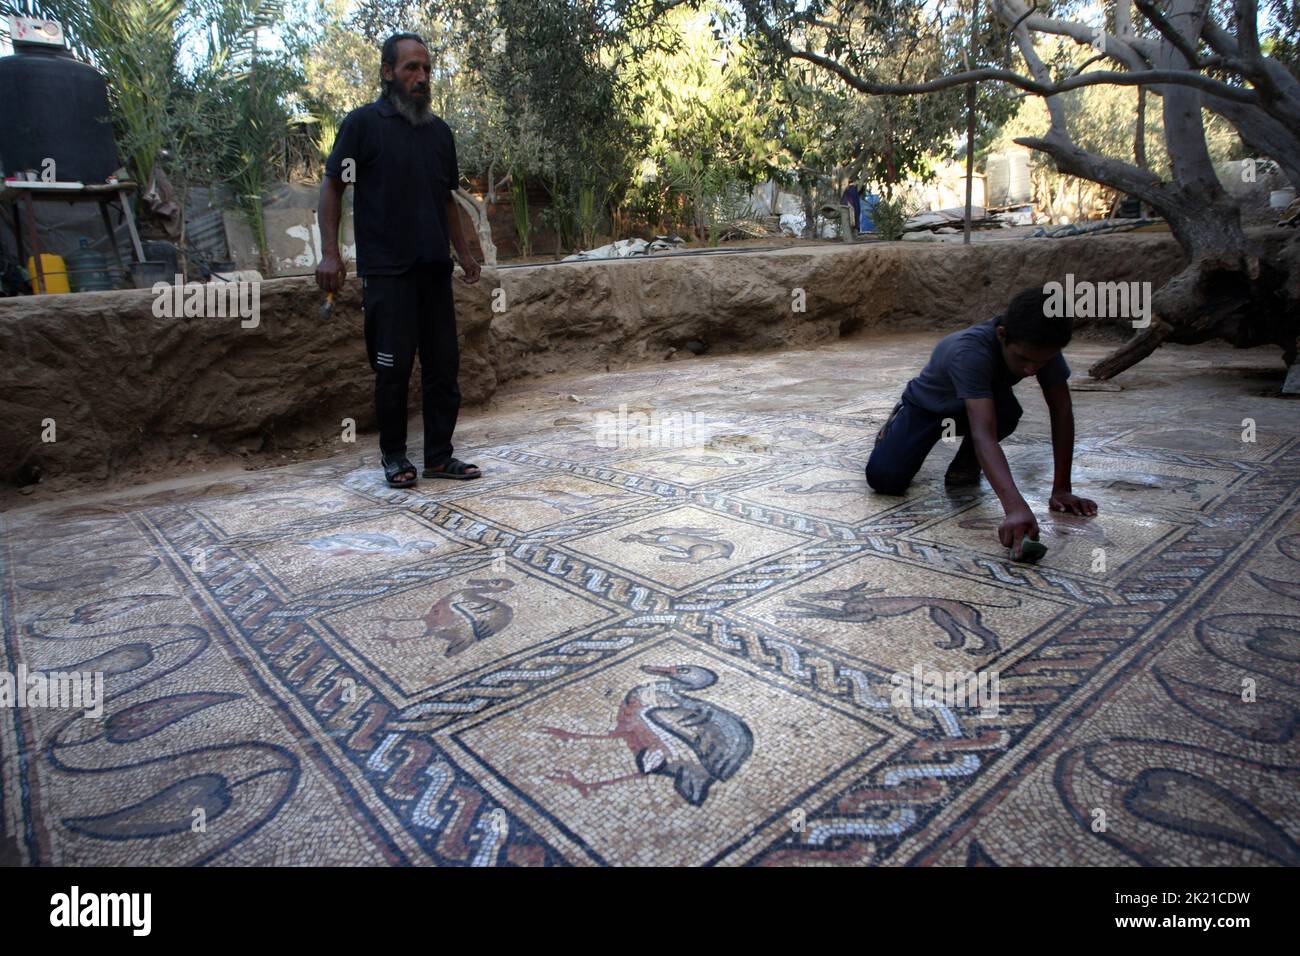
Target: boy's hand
(1073, 504)
(1018, 523)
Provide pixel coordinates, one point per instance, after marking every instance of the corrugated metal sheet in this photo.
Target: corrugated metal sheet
(205, 236)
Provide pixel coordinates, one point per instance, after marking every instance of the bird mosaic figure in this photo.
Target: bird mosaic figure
(462, 618)
(367, 542)
(672, 734)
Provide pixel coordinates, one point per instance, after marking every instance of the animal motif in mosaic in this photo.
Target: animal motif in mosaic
(856, 605)
(368, 542)
(704, 461)
(1154, 483)
(685, 545)
(1059, 527)
(672, 734)
(462, 618)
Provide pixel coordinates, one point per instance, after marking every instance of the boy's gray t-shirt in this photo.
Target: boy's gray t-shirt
(968, 364)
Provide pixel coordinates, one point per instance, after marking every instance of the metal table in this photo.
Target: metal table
(25, 194)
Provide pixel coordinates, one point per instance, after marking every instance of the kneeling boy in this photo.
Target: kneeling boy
(968, 382)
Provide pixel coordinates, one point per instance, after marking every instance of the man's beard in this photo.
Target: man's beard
(415, 110)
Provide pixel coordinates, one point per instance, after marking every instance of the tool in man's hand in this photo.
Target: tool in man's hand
(1031, 551)
(327, 307)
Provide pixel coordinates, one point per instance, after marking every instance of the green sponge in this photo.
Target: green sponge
(1031, 550)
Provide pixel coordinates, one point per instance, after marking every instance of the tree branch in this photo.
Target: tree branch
(1024, 40)
(1220, 40)
(1135, 78)
(1279, 91)
(1246, 12)
(1112, 172)
(1262, 134)
(1171, 33)
(1123, 19)
(1029, 12)
(1113, 46)
(1078, 70)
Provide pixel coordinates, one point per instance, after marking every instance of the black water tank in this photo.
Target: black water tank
(51, 105)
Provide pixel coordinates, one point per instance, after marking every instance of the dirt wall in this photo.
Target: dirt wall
(128, 391)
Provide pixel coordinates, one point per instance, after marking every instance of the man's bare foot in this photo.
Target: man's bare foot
(963, 471)
(962, 479)
(965, 466)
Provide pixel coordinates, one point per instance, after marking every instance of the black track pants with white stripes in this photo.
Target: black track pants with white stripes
(407, 313)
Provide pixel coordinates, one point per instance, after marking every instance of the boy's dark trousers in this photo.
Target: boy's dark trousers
(911, 432)
(404, 314)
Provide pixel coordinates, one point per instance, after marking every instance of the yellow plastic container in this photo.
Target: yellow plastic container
(56, 274)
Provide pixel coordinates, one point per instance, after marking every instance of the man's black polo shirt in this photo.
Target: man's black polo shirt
(404, 176)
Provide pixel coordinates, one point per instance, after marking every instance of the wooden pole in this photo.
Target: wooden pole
(970, 125)
(35, 243)
(1140, 139)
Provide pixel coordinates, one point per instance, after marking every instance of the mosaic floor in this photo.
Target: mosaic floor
(683, 655)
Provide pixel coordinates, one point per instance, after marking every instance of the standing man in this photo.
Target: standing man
(402, 160)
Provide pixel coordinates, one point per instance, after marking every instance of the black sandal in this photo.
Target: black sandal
(398, 465)
(454, 469)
